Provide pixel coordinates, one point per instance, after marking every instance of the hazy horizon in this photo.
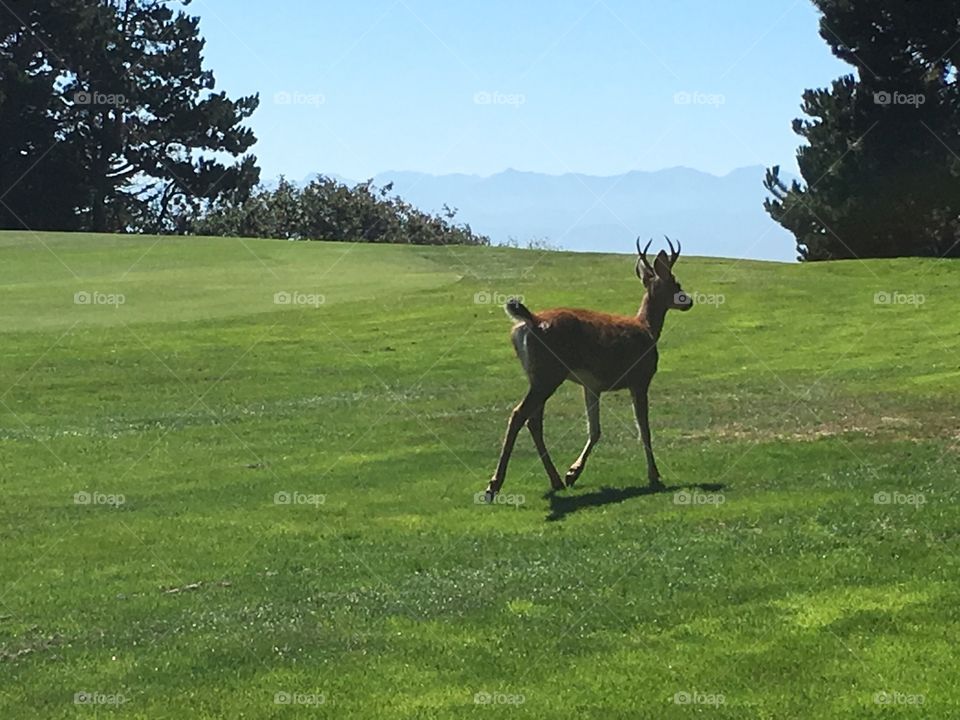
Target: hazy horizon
(718, 216)
(484, 176)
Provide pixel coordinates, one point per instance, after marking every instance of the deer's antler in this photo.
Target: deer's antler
(674, 254)
(642, 258)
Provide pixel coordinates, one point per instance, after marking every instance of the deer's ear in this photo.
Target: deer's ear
(661, 265)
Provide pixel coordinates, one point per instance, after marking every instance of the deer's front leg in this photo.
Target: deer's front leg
(641, 408)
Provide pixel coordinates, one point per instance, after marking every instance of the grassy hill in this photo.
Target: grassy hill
(158, 406)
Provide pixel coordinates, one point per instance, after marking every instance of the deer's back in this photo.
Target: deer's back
(604, 351)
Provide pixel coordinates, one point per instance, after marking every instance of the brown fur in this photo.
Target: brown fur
(597, 350)
(618, 350)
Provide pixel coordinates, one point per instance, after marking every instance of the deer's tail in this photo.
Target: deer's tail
(518, 311)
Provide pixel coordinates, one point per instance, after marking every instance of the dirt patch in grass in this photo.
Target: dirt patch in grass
(887, 427)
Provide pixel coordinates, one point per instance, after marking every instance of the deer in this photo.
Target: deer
(600, 352)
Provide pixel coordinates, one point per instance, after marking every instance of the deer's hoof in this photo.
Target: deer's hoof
(489, 495)
(572, 475)
(656, 485)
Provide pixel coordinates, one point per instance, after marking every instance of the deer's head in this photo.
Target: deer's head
(663, 289)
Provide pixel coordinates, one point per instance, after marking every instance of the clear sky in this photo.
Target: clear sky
(592, 86)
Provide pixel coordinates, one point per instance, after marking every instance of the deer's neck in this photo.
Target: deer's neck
(651, 316)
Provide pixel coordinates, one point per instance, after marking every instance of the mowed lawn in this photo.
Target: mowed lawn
(221, 502)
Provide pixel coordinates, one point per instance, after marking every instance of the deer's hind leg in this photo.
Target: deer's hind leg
(535, 425)
(545, 375)
(591, 399)
(530, 407)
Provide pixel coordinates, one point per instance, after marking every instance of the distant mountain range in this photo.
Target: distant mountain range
(711, 215)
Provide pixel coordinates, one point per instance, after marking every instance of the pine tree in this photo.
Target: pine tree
(881, 166)
(131, 109)
(41, 183)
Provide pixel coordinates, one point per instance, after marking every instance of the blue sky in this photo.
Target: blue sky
(599, 87)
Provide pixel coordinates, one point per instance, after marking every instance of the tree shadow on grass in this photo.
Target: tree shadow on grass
(562, 503)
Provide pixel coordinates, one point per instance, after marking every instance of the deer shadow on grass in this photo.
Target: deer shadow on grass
(562, 503)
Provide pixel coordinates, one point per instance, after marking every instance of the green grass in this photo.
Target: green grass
(794, 594)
